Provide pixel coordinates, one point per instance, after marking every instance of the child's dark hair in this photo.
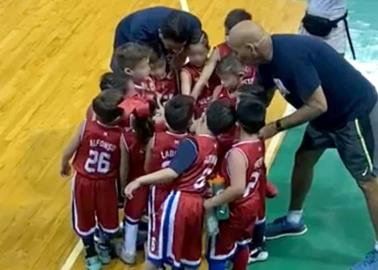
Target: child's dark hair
(177, 27)
(220, 116)
(236, 16)
(144, 129)
(254, 91)
(178, 112)
(143, 124)
(105, 105)
(111, 80)
(229, 65)
(250, 114)
(130, 54)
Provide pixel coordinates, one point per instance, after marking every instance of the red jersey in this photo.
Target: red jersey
(165, 146)
(249, 72)
(207, 92)
(166, 87)
(98, 155)
(194, 180)
(253, 152)
(146, 89)
(131, 106)
(136, 155)
(225, 94)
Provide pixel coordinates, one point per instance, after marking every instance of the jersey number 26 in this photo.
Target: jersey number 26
(97, 162)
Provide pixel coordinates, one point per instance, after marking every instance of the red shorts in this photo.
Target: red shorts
(156, 200)
(94, 200)
(135, 208)
(178, 227)
(234, 232)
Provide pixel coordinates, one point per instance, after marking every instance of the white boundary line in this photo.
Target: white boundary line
(71, 259)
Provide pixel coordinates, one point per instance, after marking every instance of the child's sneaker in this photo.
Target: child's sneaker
(258, 255)
(369, 263)
(104, 254)
(127, 258)
(93, 263)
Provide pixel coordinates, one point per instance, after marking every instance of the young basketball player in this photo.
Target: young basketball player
(191, 72)
(99, 152)
(244, 171)
(133, 59)
(179, 242)
(165, 80)
(219, 52)
(138, 128)
(114, 81)
(178, 113)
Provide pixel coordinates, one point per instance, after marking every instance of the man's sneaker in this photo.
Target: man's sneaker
(258, 255)
(271, 190)
(281, 227)
(93, 263)
(369, 263)
(126, 258)
(104, 254)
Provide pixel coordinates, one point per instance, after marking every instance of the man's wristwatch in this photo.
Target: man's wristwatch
(279, 126)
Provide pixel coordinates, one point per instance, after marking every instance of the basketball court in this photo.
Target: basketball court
(52, 54)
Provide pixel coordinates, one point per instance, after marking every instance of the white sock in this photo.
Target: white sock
(130, 238)
(294, 216)
(376, 246)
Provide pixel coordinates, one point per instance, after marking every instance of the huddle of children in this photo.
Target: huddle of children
(188, 157)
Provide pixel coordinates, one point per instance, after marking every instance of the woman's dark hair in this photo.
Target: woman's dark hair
(236, 16)
(178, 26)
(204, 40)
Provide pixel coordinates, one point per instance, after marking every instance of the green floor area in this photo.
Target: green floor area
(339, 229)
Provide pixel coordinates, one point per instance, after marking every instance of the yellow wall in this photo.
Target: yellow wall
(52, 53)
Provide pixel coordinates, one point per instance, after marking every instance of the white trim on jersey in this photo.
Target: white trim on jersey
(74, 214)
(220, 257)
(244, 242)
(191, 263)
(110, 231)
(260, 221)
(131, 220)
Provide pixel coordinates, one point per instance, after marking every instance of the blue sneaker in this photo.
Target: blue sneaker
(93, 263)
(281, 228)
(104, 254)
(369, 263)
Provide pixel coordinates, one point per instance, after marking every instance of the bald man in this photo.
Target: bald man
(338, 103)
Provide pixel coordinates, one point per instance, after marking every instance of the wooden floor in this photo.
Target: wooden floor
(52, 53)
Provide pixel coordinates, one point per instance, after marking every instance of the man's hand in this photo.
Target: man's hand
(131, 187)
(268, 131)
